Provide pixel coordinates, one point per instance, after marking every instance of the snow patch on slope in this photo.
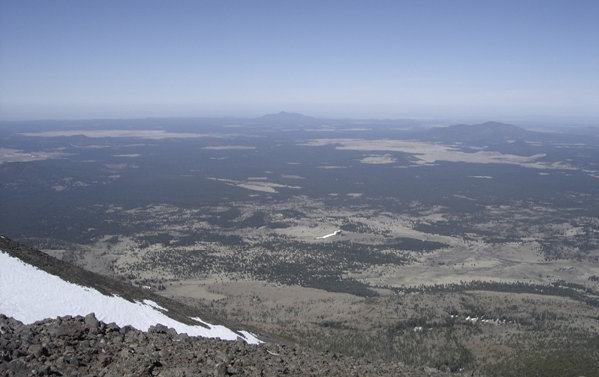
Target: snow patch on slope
(330, 234)
(29, 294)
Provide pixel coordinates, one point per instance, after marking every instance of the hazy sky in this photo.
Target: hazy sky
(337, 58)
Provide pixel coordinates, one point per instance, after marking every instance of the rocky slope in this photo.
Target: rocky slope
(83, 346)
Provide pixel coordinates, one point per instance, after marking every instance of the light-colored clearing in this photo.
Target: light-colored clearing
(17, 155)
(429, 153)
(253, 185)
(291, 176)
(331, 167)
(378, 159)
(228, 147)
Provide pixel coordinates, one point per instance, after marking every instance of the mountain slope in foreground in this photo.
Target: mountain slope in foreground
(29, 294)
(77, 343)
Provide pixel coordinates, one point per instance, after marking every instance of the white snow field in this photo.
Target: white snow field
(330, 234)
(29, 294)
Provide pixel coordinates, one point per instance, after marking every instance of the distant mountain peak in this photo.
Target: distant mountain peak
(286, 115)
(497, 125)
(483, 132)
(288, 118)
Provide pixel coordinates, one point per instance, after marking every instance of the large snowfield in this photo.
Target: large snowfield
(29, 294)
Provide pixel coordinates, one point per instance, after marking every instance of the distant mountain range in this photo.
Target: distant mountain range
(284, 118)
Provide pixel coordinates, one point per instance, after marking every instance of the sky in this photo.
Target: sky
(375, 59)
